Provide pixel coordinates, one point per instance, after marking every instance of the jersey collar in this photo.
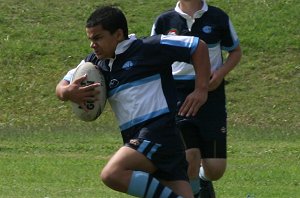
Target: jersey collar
(197, 14)
(121, 48)
(124, 45)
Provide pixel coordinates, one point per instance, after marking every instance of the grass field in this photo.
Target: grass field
(46, 152)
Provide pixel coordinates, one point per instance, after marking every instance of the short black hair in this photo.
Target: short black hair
(110, 18)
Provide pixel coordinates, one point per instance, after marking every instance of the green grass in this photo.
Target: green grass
(46, 152)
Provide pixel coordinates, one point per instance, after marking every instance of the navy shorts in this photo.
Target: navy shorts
(208, 129)
(161, 142)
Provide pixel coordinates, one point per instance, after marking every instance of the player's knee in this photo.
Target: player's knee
(105, 177)
(215, 174)
(215, 177)
(214, 169)
(108, 177)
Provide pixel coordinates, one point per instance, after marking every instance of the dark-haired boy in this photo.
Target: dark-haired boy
(142, 95)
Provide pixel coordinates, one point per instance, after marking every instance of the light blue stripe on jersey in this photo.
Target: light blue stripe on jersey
(181, 41)
(213, 45)
(234, 37)
(138, 101)
(184, 77)
(232, 47)
(133, 84)
(143, 118)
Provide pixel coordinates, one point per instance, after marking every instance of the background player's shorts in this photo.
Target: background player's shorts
(208, 129)
(161, 142)
(209, 147)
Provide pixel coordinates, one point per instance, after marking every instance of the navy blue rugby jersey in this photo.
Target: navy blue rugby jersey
(139, 79)
(210, 24)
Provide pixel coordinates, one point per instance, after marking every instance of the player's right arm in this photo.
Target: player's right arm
(61, 90)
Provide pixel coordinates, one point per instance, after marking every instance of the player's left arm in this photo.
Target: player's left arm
(232, 60)
(201, 63)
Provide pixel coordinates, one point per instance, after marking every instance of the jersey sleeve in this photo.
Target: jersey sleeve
(229, 38)
(153, 30)
(164, 22)
(157, 27)
(180, 48)
(69, 76)
(89, 58)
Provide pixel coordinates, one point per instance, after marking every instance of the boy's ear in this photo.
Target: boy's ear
(119, 35)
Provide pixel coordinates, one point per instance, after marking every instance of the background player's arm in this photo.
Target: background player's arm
(232, 60)
(198, 97)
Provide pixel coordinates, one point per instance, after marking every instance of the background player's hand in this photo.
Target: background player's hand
(215, 80)
(79, 94)
(192, 103)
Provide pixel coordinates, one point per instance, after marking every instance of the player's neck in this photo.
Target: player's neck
(190, 7)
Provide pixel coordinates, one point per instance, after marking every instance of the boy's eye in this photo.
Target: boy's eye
(97, 38)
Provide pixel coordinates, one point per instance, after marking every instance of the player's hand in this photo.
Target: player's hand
(192, 103)
(81, 94)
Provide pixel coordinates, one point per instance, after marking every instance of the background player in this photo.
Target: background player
(205, 134)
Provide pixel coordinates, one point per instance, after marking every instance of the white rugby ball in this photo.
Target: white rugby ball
(95, 108)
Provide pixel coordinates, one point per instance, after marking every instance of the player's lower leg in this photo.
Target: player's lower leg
(195, 183)
(206, 186)
(144, 185)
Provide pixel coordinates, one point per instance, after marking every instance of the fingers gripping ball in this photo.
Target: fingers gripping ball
(95, 108)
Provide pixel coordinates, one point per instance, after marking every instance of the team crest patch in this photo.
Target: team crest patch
(207, 29)
(127, 65)
(173, 32)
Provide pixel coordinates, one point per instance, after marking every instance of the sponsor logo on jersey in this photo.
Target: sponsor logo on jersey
(113, 83)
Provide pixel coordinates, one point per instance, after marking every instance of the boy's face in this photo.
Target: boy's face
(103, 42)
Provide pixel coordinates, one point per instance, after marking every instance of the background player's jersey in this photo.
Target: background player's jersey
(139, 79)
(210, 24)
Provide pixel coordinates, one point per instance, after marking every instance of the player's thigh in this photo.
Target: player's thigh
(214, 167)
(127, 158)
(118, 171)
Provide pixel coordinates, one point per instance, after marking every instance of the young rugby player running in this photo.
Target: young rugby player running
(142, 94)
